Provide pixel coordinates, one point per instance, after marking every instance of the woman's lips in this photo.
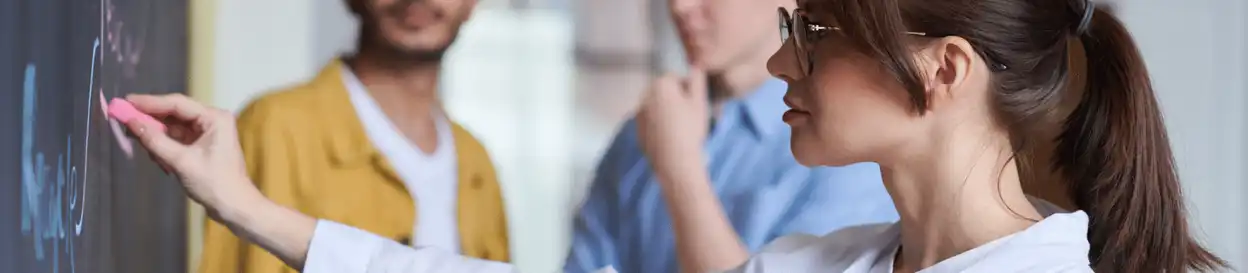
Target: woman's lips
(795, 114)
(794, 117)
(793, 105)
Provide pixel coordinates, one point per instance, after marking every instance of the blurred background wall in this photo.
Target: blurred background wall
(1198, 57)
(545, 83)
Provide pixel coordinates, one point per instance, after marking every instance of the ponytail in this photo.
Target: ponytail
(1116, 155)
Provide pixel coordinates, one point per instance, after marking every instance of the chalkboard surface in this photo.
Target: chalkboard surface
(75, 194)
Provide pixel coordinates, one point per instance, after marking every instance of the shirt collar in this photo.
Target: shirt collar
(348, 145)
(764, 107)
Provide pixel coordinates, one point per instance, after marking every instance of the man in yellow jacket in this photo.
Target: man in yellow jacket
(367, 144)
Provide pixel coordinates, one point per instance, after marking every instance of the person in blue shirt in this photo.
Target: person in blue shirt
(627, 219)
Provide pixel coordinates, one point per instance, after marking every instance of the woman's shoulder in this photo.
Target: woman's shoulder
(844, 250)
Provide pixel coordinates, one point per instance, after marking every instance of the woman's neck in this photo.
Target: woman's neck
(955, 197)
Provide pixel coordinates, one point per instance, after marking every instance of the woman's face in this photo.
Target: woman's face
(849, 109)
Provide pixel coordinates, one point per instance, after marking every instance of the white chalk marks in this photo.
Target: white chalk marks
(82, 213)
(47, 189)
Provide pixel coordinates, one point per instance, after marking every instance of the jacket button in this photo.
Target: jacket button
(476, 182)
(405, 240)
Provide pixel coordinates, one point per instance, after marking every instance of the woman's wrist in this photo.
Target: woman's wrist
(239, 207)
(684, 168)
(284, 232)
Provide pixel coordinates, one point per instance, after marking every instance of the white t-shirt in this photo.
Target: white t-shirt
(1056, 244)
(431, 179)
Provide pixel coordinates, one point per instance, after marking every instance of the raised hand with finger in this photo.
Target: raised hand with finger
(674, 121)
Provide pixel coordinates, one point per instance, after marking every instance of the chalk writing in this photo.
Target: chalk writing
(125, 44)
(61, 173)
(95, 48)
(44, 215)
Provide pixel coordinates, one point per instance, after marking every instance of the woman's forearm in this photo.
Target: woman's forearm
(705, 239)
(282, 231)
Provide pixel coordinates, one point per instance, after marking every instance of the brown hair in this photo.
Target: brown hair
(1112, 151)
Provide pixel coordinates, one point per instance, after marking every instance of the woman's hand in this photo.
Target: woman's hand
(673, 124)
(201, 148)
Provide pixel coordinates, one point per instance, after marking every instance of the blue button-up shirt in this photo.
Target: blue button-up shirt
(765, 192)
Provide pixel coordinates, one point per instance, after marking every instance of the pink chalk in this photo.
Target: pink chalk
(125, 112)
(118, 134)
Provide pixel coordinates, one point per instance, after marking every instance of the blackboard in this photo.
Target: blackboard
(72, 199)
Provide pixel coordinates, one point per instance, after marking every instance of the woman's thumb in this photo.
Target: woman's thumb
(155, 140)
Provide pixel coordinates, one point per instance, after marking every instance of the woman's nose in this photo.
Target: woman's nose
(783, 63)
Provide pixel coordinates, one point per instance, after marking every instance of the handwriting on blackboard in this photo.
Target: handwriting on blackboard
(65, 164)
(45, 190)
(82, 213)
(126, 44)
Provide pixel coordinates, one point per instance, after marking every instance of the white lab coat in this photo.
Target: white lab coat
(1056, 244)
(338, 248)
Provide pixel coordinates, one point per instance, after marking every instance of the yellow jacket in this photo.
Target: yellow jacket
(306, 149)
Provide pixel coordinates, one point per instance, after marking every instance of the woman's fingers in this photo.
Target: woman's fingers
(164, 148)
(183, 133)
(163, 167)
(176, 106)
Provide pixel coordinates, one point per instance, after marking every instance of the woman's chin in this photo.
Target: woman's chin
(815, 157)
(804, 155)
(806, 163)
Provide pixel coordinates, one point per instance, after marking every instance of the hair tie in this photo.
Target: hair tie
(1086, 22)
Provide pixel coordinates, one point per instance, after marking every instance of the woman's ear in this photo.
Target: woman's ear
(948, 67)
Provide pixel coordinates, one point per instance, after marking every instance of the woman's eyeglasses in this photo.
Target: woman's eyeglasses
(806, 33)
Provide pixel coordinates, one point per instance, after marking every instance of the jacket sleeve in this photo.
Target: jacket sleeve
(266, 149)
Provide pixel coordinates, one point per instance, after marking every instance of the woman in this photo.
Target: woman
(945, 95)
(960, 85)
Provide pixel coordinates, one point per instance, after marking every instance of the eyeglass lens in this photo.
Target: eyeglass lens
(795, 26)
(800, 35)
(785, 28)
